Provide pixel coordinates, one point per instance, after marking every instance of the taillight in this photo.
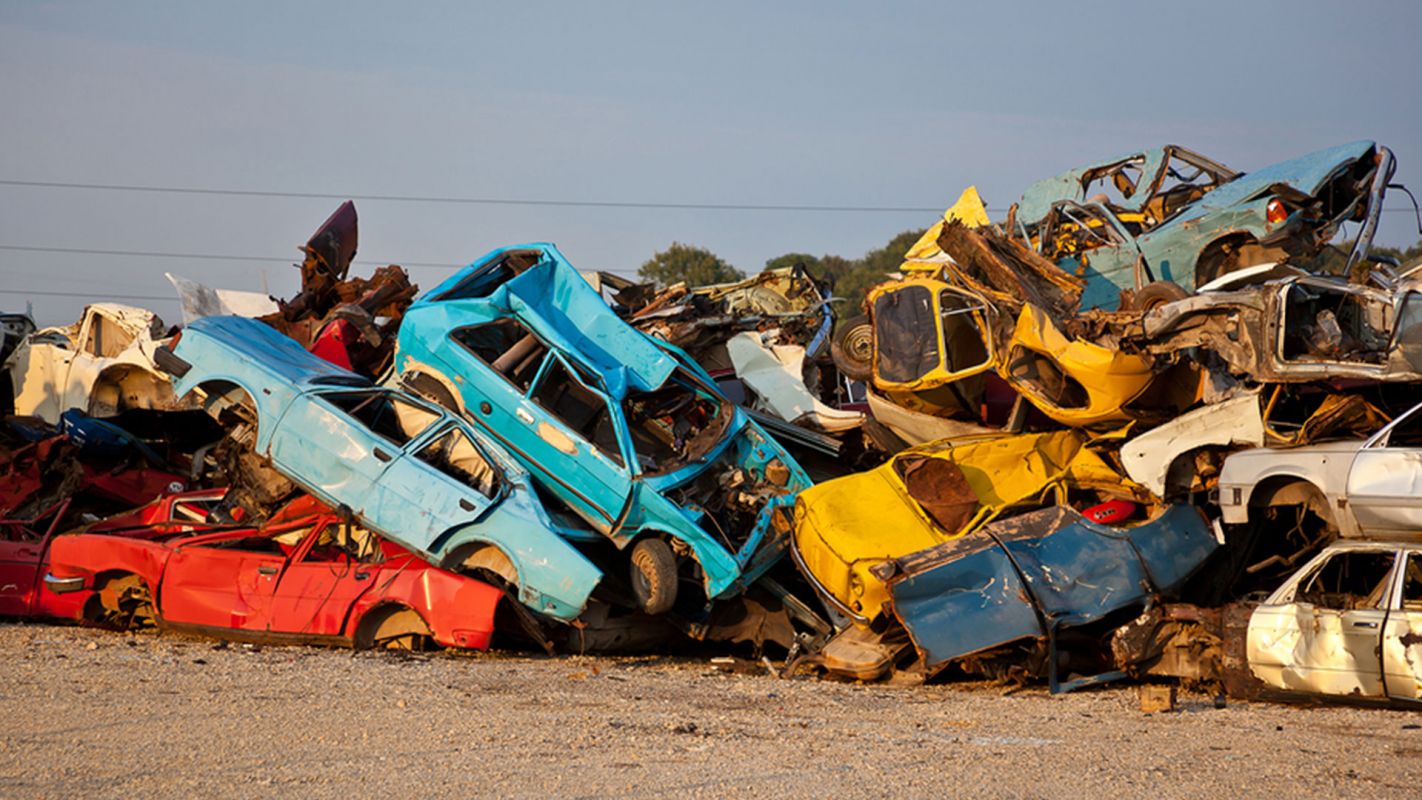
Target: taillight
(1275, 212)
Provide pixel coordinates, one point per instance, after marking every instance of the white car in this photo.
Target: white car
(102, 364)
(1349, 623)
(1368, 488)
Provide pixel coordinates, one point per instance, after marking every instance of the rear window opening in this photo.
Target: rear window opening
(581, 409)
(483, 281)
(902, 351)
(1046, 379)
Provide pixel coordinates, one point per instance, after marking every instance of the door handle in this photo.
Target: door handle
(1361, 624)
(360, 576)
(381, 455)
(466, 505)
(266, 570)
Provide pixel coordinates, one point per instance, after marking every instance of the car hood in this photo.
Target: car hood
(1305, 174)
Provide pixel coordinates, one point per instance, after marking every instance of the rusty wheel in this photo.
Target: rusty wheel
(124, 603)
(396, 629)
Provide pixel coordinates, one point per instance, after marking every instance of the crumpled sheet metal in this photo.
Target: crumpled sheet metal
(1002, 583)
(1238, 421)
(774, 374)
(198, 301)
(1099, 382)
(846, 526)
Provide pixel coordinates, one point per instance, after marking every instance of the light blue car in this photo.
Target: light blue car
(622, 429)
(406, 469)
(1172, 217)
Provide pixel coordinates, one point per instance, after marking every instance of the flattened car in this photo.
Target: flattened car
(305, 576)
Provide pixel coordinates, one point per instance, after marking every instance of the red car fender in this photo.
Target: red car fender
(88, 555)
(459, 610)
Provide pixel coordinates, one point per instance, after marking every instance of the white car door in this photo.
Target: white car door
(1385, 479)
(1320, 633)
(1402, 634)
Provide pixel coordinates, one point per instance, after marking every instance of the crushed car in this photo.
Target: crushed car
(620, 428)
(1172, 216)
(305, 576)
(399, 465)
(102, 364)
(1295, 329)
(1346, 626)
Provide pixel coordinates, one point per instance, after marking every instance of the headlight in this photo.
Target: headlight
(1274, 212)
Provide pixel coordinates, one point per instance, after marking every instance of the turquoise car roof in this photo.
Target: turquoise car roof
(278, 353)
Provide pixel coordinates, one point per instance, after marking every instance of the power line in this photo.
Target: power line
(105, 295)
(90, 251)
(483, 201)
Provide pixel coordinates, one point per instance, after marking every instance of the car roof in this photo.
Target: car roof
(278, 353)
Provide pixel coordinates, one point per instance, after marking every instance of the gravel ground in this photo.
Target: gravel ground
(104, 714)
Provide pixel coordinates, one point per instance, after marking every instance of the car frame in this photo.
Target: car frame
(1187, 233)
(332, 584)
(1361, 487)
(299, 414)
(555, 352)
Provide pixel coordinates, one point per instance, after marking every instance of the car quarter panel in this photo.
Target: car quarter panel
(458, 610)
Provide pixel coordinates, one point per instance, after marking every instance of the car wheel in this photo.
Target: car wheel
(653, 575)
(395, 629)
(853, 348)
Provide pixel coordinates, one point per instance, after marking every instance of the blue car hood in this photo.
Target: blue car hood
(562, 307)
(1305, 174)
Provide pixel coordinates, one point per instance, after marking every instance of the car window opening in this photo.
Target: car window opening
(491, 276)
(1348, 581)
(674, 424)
(582, 410)
(393, 419)
(903, 354)
(106, 338)
(456, 456)
(1046, 379)
(508, 347)
(1322, 325)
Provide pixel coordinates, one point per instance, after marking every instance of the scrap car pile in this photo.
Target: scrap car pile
(1130, 431)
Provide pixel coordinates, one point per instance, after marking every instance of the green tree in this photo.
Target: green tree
(696, 266)
(809, 262)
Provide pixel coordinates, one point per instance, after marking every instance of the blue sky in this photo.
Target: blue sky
(887, 104)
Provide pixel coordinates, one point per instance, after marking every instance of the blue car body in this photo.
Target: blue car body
(388, 457)
(523, 346)
(1183, 231)
(1017, 578)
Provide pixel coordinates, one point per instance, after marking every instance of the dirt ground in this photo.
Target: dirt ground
(94, 713)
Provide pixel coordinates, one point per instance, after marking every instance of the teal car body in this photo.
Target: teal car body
(624, 430)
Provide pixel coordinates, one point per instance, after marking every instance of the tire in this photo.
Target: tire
(1156, 294)
(654, 579)
(853, 348)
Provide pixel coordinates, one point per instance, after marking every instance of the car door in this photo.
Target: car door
(583, 450)
(224, 583)
(1320, 634)
(20, 550)
(1402, 634)
(1384, 488)
(438, 483)
(323, 580)
(1106, 252)
(101, 338)
(339, 442)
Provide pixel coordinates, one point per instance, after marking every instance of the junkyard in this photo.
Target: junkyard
(1111, 485)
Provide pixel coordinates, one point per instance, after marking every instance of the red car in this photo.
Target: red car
(305, 576)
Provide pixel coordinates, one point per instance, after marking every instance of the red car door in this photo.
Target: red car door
(225, 582)
(19, 562)
(323, 581)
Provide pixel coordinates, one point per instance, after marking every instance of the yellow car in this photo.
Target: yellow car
(928, 495)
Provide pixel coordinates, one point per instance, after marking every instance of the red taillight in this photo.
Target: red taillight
(1275, 212)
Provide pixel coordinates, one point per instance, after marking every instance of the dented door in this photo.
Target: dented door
(1321, 633)
(1402, 636)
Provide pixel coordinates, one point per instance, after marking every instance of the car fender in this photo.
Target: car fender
(459, 610)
